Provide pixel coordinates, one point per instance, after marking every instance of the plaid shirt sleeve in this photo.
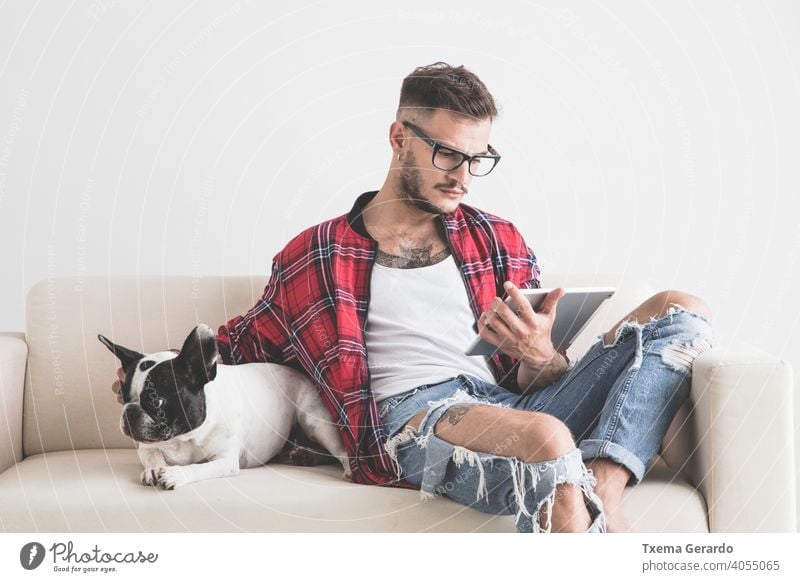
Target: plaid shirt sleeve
(522, 267)
(263, 333)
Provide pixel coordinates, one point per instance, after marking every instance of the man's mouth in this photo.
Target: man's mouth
(452, 193)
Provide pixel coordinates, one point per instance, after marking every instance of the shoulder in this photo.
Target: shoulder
(478, 215)
(315, 238)
(496, 228)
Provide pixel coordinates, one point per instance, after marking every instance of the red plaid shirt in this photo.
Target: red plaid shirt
(313, 313)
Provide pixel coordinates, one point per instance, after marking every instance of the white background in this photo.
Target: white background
(656, 139)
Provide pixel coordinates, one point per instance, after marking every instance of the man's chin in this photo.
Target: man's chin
(448, 204)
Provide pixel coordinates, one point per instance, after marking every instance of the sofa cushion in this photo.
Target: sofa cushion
(98, 490)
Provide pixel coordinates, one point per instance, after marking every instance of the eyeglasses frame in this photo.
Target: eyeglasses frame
(464, 156)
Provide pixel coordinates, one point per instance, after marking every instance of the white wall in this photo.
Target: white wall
(659, 139)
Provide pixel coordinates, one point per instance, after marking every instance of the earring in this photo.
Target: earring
(398, 157)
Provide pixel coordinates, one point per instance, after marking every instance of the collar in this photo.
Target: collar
(355, 218)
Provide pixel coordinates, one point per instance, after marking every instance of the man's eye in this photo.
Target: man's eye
(447, 154)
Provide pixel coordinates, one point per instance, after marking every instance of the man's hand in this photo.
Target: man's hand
(117, 385)
(525, 335)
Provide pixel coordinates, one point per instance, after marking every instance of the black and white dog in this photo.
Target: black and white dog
(196, 419)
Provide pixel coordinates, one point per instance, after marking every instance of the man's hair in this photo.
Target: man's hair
(440, 86)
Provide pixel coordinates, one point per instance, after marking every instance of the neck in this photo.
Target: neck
(388, 211)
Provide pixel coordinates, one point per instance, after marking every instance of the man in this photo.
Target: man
(378, 305)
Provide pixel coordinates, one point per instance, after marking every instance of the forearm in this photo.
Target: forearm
(530, 377)
(259, 338)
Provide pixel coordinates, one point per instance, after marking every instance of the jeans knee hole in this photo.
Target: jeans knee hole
(680, 356)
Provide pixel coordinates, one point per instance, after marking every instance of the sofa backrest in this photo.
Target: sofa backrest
(68, 402)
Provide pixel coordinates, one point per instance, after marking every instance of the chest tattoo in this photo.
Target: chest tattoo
(412, 257)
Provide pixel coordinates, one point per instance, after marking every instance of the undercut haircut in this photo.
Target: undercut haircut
(441, 86)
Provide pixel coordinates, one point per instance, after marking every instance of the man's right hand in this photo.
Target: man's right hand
(117, 385)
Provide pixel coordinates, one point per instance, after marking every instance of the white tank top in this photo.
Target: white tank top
(419, 324)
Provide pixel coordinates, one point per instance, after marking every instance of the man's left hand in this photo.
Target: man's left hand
(524, 335)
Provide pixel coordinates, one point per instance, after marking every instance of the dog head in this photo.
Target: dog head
(163, 392)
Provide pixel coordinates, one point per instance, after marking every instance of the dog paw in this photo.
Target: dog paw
(149, 476)
(172, 477)
(348, 475)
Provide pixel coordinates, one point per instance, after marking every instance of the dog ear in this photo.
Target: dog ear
(126, 356)
(199, 355)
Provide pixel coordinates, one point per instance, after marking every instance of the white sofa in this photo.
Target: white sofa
(727, 464)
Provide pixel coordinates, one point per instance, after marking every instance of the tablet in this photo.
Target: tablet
(574, 310)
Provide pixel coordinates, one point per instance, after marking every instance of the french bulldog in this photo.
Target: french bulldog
(193, 418)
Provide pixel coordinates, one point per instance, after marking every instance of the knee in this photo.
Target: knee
(686, 300)
(545, 438)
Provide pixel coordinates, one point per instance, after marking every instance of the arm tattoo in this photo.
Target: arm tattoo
(455, 413)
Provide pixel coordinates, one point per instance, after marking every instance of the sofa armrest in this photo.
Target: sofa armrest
(13, 357)
(735, 439)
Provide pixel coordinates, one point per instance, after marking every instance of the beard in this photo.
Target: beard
(411, 188)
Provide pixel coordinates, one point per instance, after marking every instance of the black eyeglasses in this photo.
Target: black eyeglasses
(448, 159)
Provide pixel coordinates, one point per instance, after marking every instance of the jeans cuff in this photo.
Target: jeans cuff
(593, 449)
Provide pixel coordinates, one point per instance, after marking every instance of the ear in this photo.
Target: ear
(126, 356)
(199, 355)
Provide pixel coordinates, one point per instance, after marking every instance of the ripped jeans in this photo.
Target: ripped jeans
(617, 400)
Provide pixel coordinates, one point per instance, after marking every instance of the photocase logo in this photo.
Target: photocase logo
(31, 555)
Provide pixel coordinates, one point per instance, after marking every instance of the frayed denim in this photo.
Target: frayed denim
(618, 401)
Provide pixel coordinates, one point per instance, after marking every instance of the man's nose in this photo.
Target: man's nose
(461, 175)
